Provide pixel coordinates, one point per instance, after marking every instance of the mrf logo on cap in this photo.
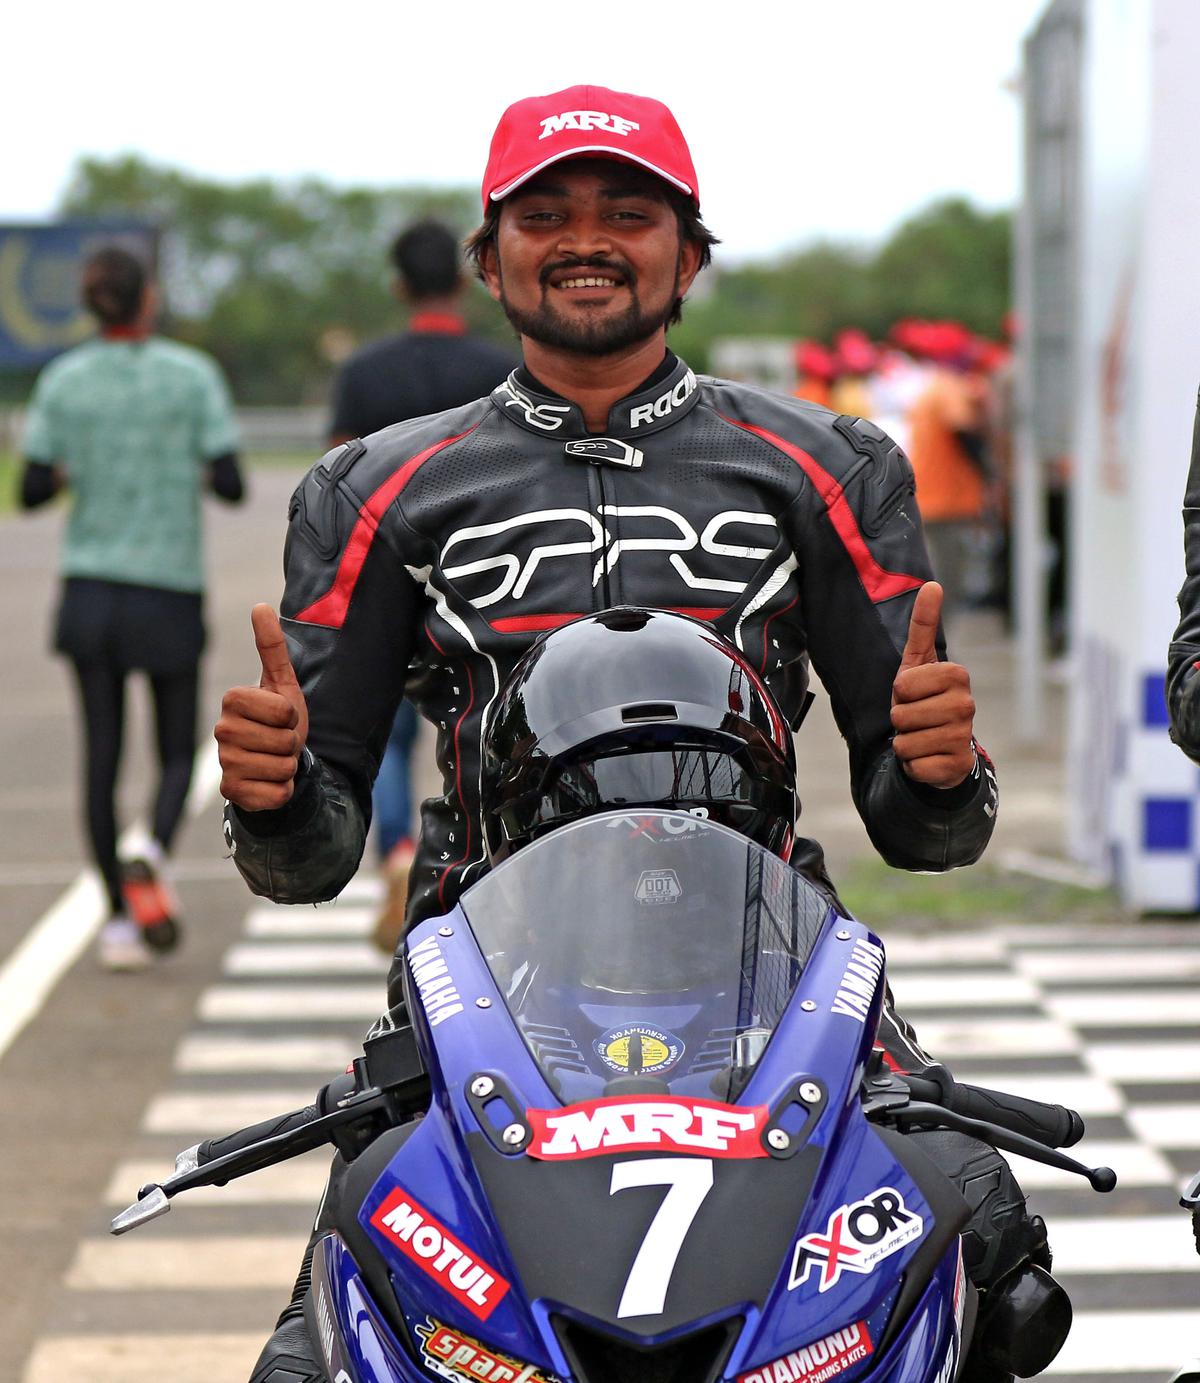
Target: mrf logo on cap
(586, 122)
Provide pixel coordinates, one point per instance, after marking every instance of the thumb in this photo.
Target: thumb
(277, 671)
(922, 627)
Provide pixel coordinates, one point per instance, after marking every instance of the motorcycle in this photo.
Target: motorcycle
(638, 1130)
(1189, 1200)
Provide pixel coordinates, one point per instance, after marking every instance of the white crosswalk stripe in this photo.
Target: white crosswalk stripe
(299, 989)
(312, 958)
(269, 1055)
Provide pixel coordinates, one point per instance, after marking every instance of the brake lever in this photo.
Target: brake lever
(933, 1116)
(154, 1199)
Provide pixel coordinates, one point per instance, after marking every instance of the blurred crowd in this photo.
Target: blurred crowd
(945, 395)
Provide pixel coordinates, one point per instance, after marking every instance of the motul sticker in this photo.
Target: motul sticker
(815, 1363)
(646, 1123)
(857, 1239)
(431, 1246)
(455, 1356)
(639, 1047)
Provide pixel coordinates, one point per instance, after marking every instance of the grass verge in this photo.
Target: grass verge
(982, 896)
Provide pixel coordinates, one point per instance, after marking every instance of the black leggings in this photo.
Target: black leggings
(102, 699)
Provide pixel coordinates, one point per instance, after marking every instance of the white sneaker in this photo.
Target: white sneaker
(121, 946)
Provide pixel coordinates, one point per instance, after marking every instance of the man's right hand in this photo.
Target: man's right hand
(262, 730)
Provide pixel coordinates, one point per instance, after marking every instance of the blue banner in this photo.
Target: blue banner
(40, 267)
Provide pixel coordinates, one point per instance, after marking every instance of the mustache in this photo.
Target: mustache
(626, 271)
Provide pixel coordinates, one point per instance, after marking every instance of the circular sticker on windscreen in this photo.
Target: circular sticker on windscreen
(640, 1048)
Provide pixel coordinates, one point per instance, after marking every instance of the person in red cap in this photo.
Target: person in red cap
(429, 556)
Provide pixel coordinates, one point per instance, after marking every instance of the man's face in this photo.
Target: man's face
(589, 258)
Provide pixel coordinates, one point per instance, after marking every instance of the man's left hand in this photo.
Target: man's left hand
(933, 711)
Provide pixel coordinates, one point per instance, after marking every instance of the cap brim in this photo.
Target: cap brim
(621, 155)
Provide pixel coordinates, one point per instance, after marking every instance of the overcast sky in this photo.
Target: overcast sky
(805, 119)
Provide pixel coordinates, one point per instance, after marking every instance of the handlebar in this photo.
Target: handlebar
(1052, 1125)
(387, 1085)
(328, 1097)
(1031, 1128)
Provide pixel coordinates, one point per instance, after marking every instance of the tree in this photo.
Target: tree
(272, 277)
(948, 261)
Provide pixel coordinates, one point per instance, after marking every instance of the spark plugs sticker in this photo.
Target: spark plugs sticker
(455, 1356)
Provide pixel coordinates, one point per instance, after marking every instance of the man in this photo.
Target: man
(1183, 679)
(136, 428)
(600, 472)
(432, 366)
(948, 446)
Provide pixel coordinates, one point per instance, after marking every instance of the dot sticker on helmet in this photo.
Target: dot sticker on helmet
(657, 886)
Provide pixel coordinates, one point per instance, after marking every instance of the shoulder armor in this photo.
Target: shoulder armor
(313, 510)
(882, 478)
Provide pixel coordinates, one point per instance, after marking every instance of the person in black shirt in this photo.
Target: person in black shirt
(432, 366)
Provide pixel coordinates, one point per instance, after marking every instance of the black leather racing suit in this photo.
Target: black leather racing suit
(1183, 677)
(428, 556)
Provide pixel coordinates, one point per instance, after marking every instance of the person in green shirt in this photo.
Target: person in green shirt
(135, 428)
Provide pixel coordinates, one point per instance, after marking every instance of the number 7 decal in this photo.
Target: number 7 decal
(690, 1179)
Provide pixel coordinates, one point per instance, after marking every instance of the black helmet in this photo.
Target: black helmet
(636, 708)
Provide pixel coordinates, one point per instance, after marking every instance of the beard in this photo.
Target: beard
(581, 333)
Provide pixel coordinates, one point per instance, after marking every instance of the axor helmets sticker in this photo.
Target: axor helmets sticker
(646, 1123)
(640, 1048)
(658, 886)
(816, 1363)
(456, 1356)
(857, 1239)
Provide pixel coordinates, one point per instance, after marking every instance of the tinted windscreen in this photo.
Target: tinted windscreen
(651, 945)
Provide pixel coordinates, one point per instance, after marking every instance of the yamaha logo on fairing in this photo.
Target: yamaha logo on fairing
(857, 1239)
(325, 1326)
(665, 404)
(644, 1123)
(434, 983)
(587, 120)
(859, 981)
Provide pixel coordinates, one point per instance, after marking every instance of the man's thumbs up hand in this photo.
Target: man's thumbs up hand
(933, 711)
(261, 732)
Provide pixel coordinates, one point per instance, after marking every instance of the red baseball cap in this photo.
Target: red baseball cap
(586, 122)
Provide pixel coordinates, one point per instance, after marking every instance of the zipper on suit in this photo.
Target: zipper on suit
(598, 501)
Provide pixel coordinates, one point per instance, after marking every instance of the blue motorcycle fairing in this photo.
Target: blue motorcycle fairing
(465, 1180)
(355, 1344)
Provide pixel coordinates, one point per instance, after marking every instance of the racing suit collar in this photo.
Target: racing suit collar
(660, 400)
